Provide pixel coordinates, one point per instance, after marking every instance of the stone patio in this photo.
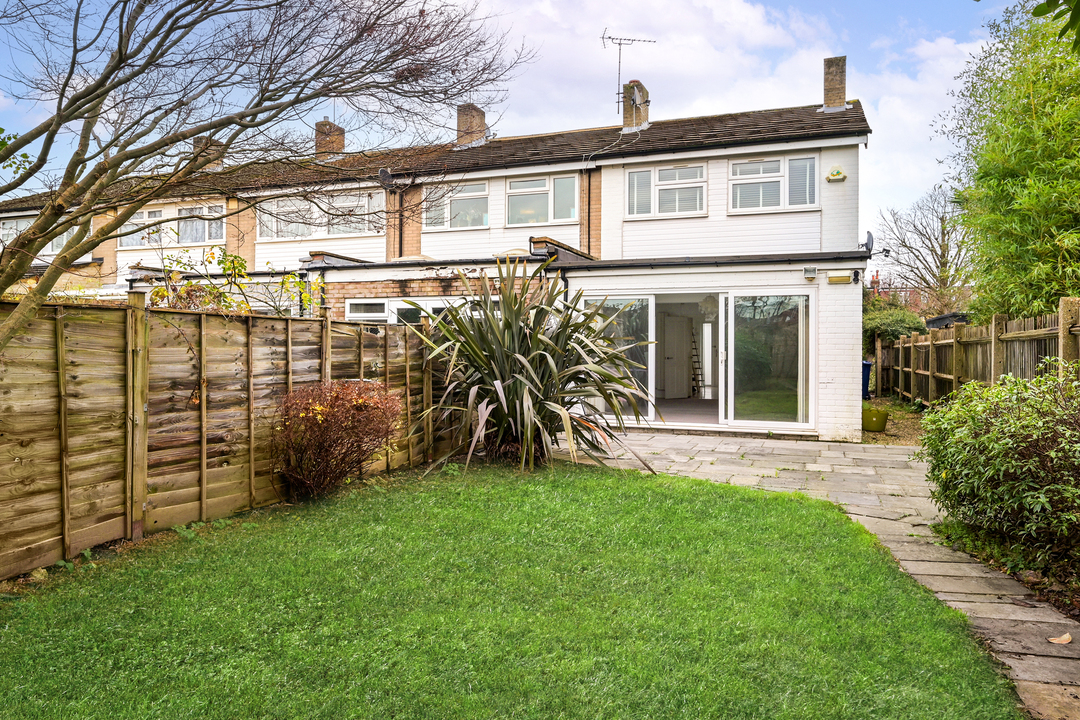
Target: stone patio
(882, 488)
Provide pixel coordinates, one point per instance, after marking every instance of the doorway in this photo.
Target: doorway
(689, 338)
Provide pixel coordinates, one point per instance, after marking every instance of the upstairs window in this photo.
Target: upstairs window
(773, 184)
(361, 214)
(464, 206)
(666, 191)
(192, 229)
(541, 200)
(129, 235)
(10, 229)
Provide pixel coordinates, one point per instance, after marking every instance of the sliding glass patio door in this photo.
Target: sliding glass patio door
(768, 373)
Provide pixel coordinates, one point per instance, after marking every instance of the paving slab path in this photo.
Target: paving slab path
(882, 488)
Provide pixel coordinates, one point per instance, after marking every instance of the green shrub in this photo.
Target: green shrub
(323, 434)
(1006, 459)
(890, 324)
(523, 365)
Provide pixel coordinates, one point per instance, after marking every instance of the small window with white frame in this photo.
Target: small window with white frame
(463, 206)
(10, 229)
(671, 191)
(541, 200)
(366, 310)
(194, 229)
(773, 184)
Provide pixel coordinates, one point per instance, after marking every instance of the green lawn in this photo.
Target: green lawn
(571, 593)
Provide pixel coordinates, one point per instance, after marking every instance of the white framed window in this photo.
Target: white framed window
(10, 229)
(672, 191)
(129, 235)
(192, 229)
(366, 309)
(360, 214)
(773, 184)
(532, 201)
(464, 206)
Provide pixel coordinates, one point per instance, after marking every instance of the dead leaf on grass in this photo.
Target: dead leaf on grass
(1063, 640)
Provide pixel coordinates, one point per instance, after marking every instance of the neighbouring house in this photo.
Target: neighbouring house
(730, 241)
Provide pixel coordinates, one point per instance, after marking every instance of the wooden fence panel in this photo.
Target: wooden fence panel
(119, 421)
(31, 532)
(94, 345)
(929, 367)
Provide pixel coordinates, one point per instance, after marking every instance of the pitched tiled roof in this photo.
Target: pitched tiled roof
(663, 136)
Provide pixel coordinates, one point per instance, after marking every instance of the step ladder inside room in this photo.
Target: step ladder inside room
(695, 367)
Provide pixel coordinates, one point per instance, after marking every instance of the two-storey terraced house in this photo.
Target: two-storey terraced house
(732, 239)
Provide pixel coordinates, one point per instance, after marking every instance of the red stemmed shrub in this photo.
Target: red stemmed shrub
(323, 434)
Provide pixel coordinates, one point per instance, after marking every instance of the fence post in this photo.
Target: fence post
(877, 366)
(61, 380)
(957, 356)
(140, 390)
(1068, 344)
(408, 395)
(899, 345)
(912, 353)
(429, 439)
(931, 387)
(327, 339)
(251, 412)
(202, 417)
(997, 348)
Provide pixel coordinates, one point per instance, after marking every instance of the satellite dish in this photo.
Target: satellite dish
(869, 242)
(385, 177)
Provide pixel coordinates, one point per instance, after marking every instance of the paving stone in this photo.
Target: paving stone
(1029, 638)
(889, 527)
(881, 462)
(818, 467)
(874, 512)
(1007, 611)
(787, 465)
(853, 470)
(926, 552)
(1039, 668)
(969, 598)
(983, 585)
(882, 489)
(745, 480)
(1050, 702)
(971, 568)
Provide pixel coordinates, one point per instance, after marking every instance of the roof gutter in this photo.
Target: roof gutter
(721, 261)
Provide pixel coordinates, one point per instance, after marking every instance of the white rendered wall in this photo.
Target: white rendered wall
(840, 200)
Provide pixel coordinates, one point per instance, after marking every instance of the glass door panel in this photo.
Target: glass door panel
(770, 343)
(634, 324)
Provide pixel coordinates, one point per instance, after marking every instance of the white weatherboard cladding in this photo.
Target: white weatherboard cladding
(716, 234)
(840, 200)
(836, 325)
(496, 239)
(287, 254)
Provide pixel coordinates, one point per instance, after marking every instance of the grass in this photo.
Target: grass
(569, 593)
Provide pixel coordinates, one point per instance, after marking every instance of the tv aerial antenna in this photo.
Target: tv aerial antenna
(619, 42)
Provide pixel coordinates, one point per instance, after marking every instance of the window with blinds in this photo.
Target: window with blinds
(773, 184)
(801, 185)
(678, 190)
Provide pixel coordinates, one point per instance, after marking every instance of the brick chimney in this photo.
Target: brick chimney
(329, 139)
(835, 84)
(206, 145)
(471, 125)
(635, 106)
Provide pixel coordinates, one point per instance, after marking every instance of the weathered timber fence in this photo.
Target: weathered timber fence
(929, 367)
(120, 421)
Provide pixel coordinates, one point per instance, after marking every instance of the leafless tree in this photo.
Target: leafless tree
(146, 97)
(928, 254)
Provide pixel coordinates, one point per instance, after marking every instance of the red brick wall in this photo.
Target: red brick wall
(335, 294)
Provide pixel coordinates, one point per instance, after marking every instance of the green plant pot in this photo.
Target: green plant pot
(874, 420)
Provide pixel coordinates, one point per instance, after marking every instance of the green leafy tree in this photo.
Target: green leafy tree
(1016, 125)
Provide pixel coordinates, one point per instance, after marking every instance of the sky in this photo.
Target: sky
(718, 56)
